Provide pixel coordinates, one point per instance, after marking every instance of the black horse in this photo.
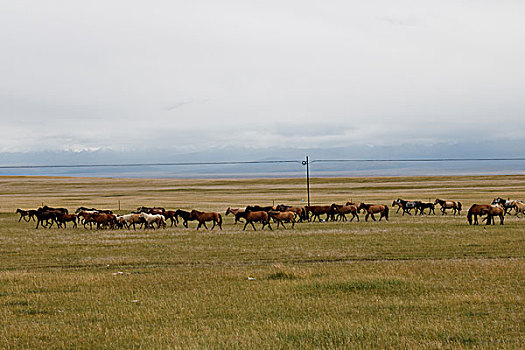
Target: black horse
(407, 206)
(421, 206)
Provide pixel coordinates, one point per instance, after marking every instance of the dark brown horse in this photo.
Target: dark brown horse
(170, 214)
(26, 214)
(372, 209)
(44, 218)
(475, 211)
(257, 216)
(202, 217)
(185, 216)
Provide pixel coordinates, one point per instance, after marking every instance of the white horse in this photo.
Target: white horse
(129, 220)
(151, 219)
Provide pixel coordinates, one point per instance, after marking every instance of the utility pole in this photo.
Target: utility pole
(307, 163)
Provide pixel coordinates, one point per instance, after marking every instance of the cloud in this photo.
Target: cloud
(197, 75)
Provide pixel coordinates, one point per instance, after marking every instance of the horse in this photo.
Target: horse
(318, 210)
(259, 208)
(43, 217)
(202, 217)
(494, 210)
(105, 220)
(63, 218)
(348, 208)
(150, 219)
(371, 209)
(520, 207)
(185, 215)
(26, 214)
(283, 216)
(130, 219)
(101, 211)
(421, 206)
(474, 211)
(237, 213)
(257, 216)
(454, 205)
(46, 208)
(298, 211)
(405, 205)
(170, 214)
(506, 204)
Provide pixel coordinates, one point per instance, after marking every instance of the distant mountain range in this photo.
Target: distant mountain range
(506, 149)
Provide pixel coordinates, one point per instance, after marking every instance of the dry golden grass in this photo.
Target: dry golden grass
(414, 282)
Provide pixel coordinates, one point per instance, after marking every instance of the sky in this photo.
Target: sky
(196, 75)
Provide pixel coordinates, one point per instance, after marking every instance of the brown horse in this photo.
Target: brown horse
(372, 209)
(495, 210)
(283, 216)
(318, 210)
(257, 216)
(202, 217)
(348, 208)
(454, 205)
(474, 211)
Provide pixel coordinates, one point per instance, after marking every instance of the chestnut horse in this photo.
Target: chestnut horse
(283, 216)
(342, 210)
(318, 210)
(494, 210)
(257, 216)
(454, 205)
(202, 217)
(371, 209)
(63, 218)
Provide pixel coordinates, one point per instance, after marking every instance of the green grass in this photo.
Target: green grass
(414, 282)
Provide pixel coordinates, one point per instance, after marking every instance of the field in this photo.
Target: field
(414, 282)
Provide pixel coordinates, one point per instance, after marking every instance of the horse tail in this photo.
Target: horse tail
(459, 206)
(386, 212)
(469, 216)
(220, 220)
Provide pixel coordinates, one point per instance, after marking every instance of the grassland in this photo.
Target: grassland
(414, 282)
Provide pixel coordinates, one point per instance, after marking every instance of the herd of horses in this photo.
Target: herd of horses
(157, 217)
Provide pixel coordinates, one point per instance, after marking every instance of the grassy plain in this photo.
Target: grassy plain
(414, 282)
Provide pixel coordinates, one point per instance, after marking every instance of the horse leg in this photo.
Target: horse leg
(199, 225)
(501, 219)
(185, 223)
(213, 225)
(366, 217)
(372, 216)
(20, 218)
(244, 228)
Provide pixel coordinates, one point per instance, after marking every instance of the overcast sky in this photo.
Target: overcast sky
(192, 75)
